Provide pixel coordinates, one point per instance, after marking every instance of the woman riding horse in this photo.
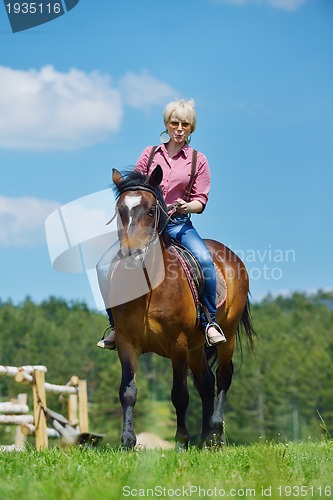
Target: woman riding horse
(163, 319)
(185, 186)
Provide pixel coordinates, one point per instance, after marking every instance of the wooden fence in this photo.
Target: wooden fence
(16, 413)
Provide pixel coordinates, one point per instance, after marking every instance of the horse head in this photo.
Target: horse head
(141, 212)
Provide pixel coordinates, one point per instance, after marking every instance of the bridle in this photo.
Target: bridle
(169, 212)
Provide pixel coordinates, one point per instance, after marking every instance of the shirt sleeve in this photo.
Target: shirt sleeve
(201, 185)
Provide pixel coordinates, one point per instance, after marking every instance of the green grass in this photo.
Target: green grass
(243, 471)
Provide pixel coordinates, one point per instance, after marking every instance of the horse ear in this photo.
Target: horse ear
(117, 178)
(156, 176)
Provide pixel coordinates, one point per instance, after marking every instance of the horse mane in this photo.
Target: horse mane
(133, 179)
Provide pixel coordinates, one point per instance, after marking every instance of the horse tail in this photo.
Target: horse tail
(244, 324)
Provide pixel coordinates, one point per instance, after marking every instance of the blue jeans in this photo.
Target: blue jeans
(182, 230)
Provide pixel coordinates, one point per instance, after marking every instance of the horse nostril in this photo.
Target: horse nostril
(125, 252)
(122, 254)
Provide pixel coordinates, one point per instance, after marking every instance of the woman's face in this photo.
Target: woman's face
(178, 129)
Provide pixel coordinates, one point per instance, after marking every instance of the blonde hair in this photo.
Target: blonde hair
(184, 110)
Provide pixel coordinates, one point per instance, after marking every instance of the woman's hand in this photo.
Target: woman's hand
(194, 207)
(182, 206)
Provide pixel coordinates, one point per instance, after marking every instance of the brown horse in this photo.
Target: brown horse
(163, 320)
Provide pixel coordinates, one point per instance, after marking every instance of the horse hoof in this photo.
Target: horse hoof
(181, 447)
(128, 441)
(214, 441)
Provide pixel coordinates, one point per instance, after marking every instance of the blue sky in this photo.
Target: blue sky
(85, 93)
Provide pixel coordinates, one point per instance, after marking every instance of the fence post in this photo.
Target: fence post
(20, 437)
(83, 406)
(72, 410)
(39, 406)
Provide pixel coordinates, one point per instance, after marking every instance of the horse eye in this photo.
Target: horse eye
(151, 212)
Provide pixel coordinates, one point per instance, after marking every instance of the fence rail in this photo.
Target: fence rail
(16, 413)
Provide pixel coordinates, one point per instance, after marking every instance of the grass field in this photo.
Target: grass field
(302, 470)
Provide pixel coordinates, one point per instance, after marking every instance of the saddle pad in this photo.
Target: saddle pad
(192, 277)
(221, 287)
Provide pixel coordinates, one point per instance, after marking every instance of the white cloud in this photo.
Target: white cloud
(47, 110)
(289, 5)
(142, 91)
(22, 220)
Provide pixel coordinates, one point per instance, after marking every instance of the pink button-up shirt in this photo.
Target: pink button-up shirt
(177, 172)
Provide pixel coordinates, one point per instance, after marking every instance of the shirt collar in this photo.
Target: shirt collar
(183, 152)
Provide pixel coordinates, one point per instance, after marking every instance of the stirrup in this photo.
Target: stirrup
(106, 344)
(221, 340)
(110, 327)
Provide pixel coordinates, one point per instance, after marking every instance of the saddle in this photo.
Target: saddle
(195, 276)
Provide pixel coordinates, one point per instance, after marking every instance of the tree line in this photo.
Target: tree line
(282, 391)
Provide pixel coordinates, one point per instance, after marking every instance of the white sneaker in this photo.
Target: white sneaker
(214, 334)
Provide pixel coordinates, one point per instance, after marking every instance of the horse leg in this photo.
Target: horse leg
(180, 395)
(127, 394)
(224, 374)
(204, 382)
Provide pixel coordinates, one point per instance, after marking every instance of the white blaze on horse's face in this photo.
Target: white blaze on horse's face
(131, 202)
